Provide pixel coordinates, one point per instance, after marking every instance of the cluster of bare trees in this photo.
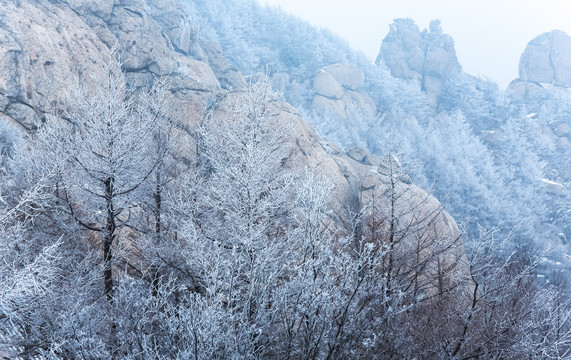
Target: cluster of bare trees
(110, 249)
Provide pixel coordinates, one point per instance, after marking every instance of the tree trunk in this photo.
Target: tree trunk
(157, 214)
(108, 260)
(108, 240)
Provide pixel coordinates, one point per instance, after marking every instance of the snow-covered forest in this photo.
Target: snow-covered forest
(220, 180)
(488, 154)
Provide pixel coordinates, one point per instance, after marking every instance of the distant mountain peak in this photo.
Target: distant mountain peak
(546, 59)
(428, 57)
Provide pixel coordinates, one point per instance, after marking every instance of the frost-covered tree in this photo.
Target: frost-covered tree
(51, 303)
(28, 271)
(254, 267)
(507, 313)
(478, 99)
(101, 150)
(464, 172)
(229, 221)
(521, 169)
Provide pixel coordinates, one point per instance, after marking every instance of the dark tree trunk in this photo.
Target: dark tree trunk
(158, 203)
(109, 236)
(157, 213)
(108, 240)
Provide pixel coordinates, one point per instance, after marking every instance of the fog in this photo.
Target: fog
(490, 35)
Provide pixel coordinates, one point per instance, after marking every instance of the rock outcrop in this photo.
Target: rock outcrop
(543, 89)
(228, 76)
(338, 92)
(426, 57)
(546, 59)
(544, 67)
(423, 227)
(45, 46)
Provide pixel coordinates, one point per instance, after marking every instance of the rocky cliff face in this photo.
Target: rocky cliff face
(426, 57)
(45, 46)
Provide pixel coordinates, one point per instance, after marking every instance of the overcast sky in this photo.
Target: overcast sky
(490, 35)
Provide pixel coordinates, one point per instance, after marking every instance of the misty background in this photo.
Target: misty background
(489, 35)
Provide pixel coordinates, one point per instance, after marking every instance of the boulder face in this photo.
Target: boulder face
(426, 57)
(46, 46)
(338, 92)
(228, 76)
(546, 59)
(520, 89)
(348, 76)
(326, 85)
(543, 90)
(425, 228)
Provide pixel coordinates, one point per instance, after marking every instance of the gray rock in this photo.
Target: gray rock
(440, 59)
(546, 59)
(43, 48)
(339, 93)
(348, 76)
(141, 42)
(428, 57)
(100, 8)
(227, 75)
(329, 107)
(400, 49)
(358, 154)
(373, 160)
(175, 24)
(24, 115)
(326, 85)
(359, 104)
(519, 90)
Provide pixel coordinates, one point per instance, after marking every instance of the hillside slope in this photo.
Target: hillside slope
(156, 203)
